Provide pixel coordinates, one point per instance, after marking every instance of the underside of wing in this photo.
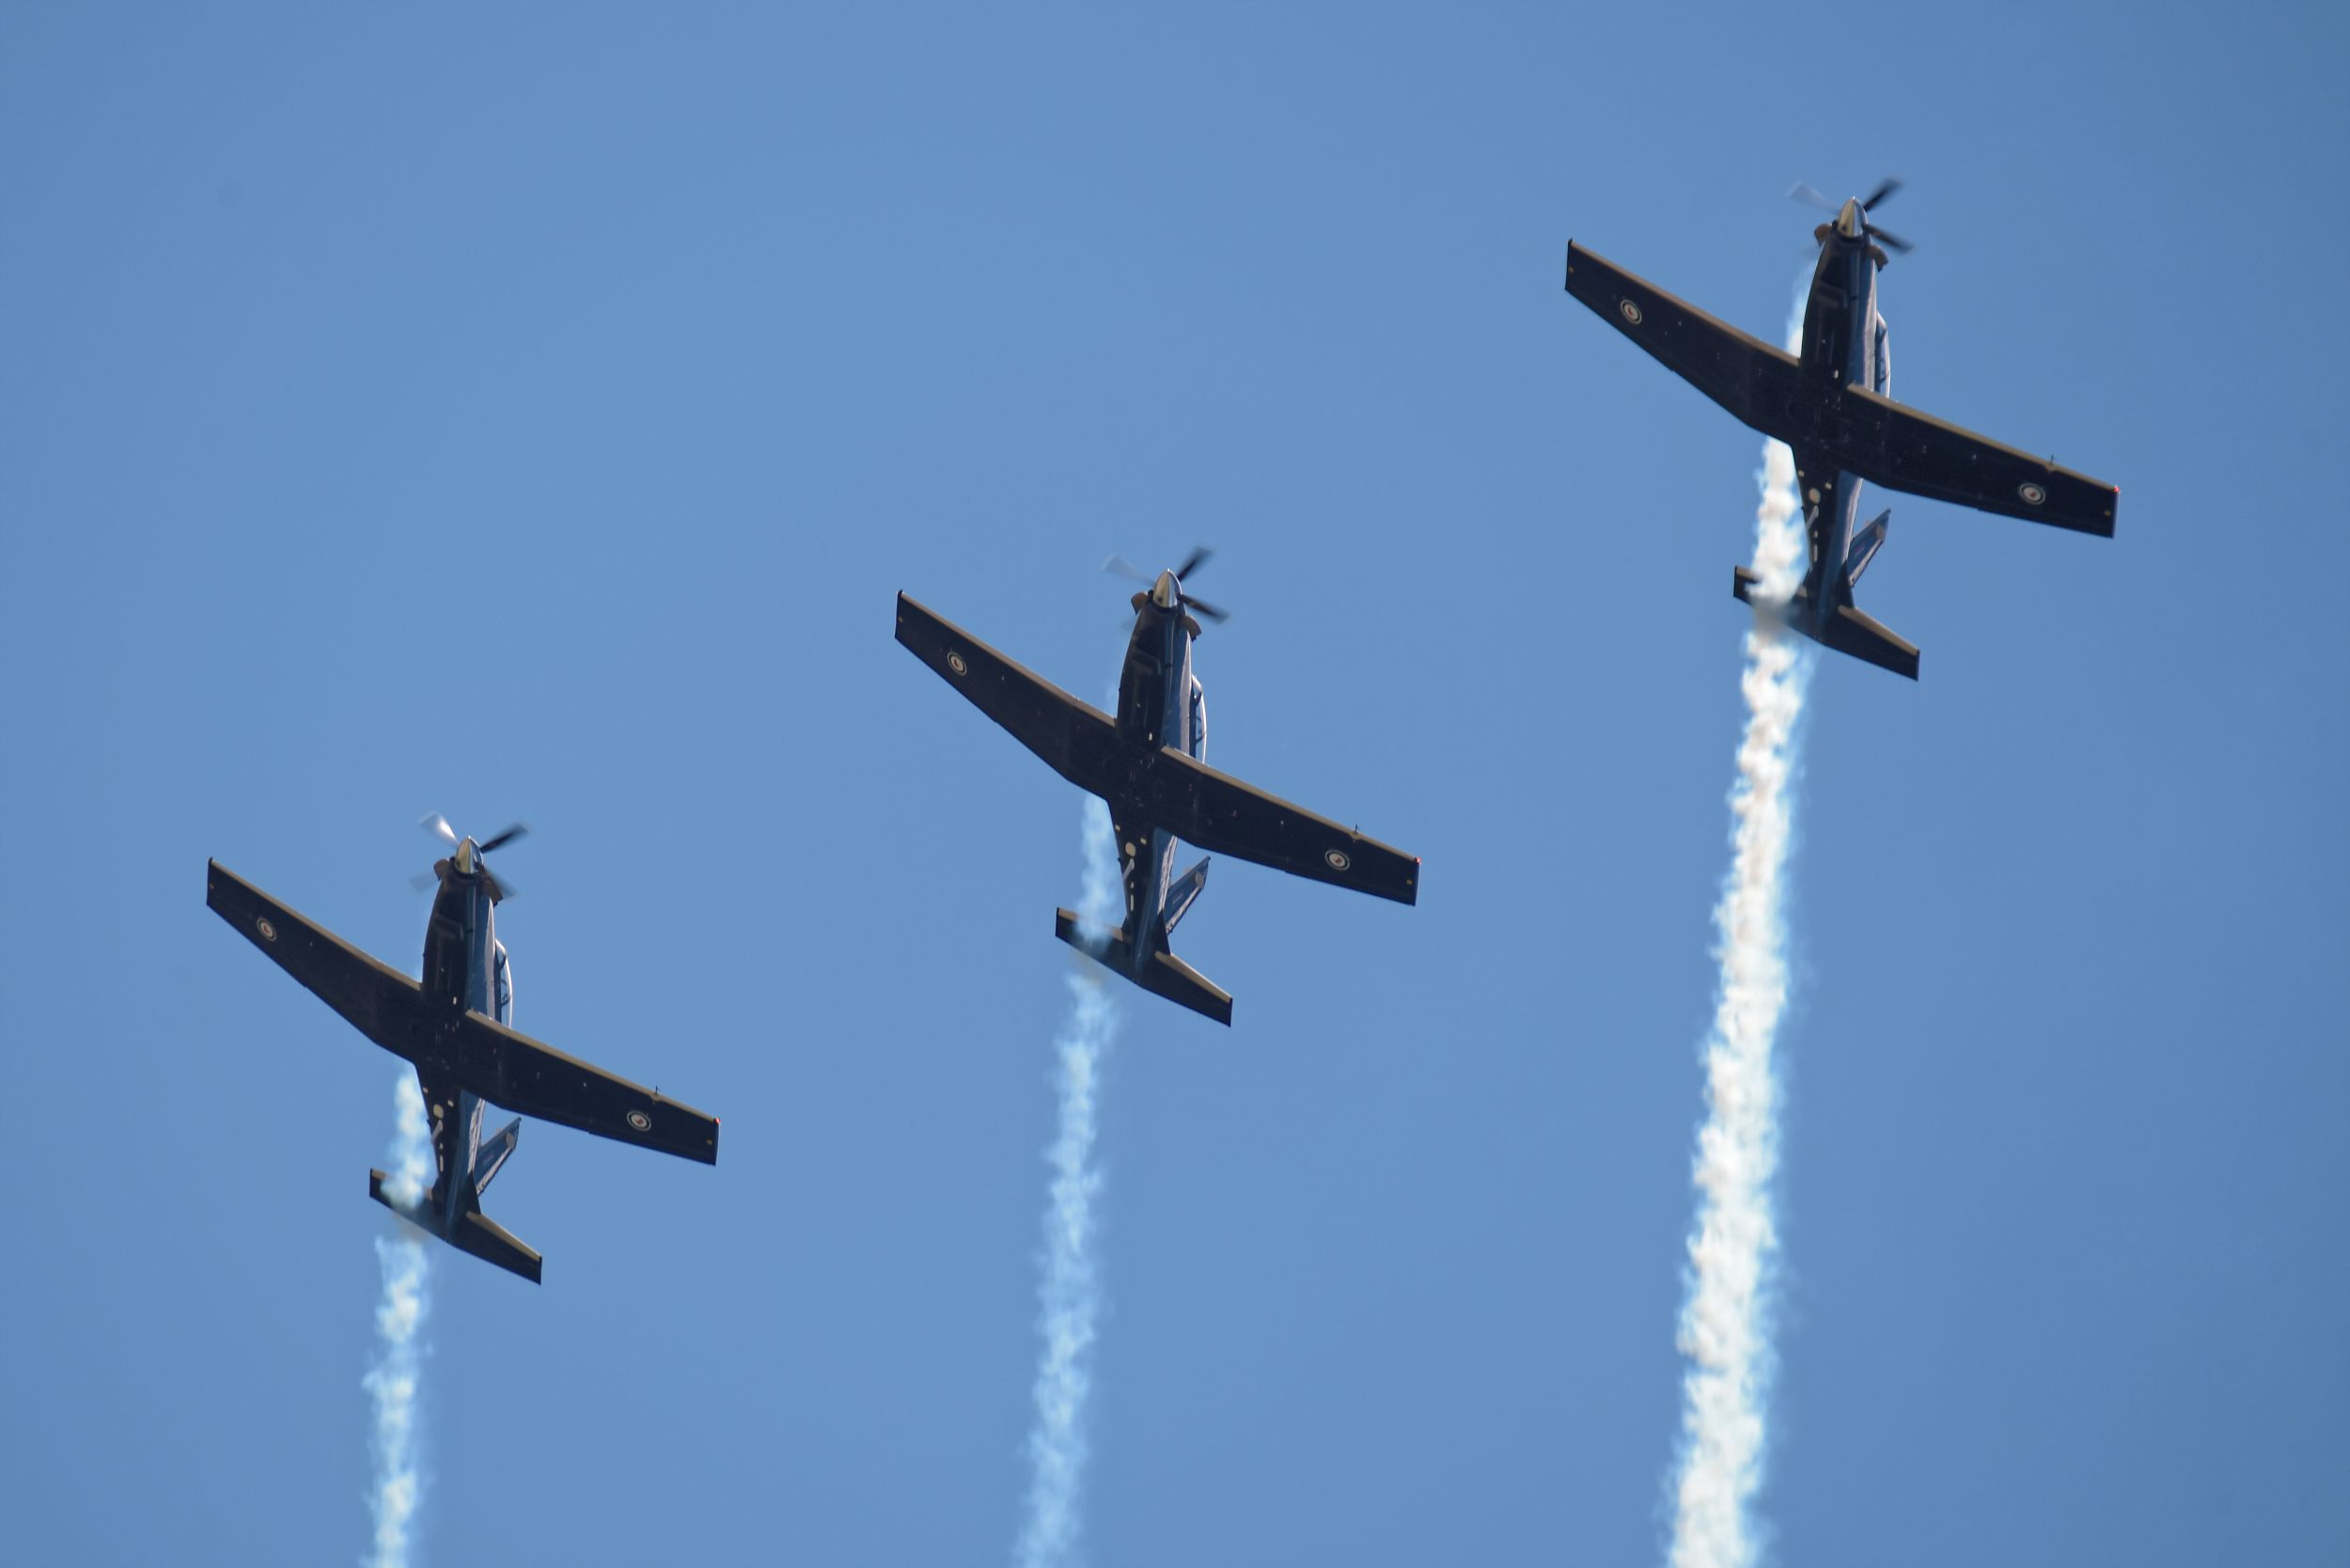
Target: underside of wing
(1900, 448)
(1750, 379)
(511, 1069)
(375, 998)
(1216, 812)
(1077, 740)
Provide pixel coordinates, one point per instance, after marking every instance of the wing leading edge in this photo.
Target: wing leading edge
(1208, 810)
(1859, 430)
(1075, 739)
(502, 1065)
(511, 1069)
(373, 998)
(1220, 814)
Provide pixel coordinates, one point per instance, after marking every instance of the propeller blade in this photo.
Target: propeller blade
(1881, 192)
(500, 840)
(498, 885)
(436, 824)
(423, 880)
(1192, 563)
(1810, 196)
(1219, 616)
(1893, 242)
(1119, 566)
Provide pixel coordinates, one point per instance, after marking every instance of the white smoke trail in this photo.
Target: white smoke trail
(1726, 1322)
(393, 1380)
(1071, 1294)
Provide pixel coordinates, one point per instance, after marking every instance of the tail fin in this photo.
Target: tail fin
(1162, 974)
(492, 1156)
(1865, 545)
(476, 1232)
(1184, 891)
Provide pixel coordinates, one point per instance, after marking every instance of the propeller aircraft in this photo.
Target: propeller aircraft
(457, 1027)
(1150, 765)
(1832, 404)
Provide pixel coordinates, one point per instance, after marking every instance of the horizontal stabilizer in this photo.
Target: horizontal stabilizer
(1850, 632)
(1162, 975)
(1847, 631)
(1744, 580)
(476, 1233)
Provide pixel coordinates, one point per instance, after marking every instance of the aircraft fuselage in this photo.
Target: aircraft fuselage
(465, 970)
(1845, 344)
(1160, 703)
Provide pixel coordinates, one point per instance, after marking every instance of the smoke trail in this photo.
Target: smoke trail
(394, 1377)
(1726, 1322)
(1071, 1294)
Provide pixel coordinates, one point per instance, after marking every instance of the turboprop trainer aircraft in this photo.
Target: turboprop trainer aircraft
(1833, 406)
(456, 1027)
(1150, 765)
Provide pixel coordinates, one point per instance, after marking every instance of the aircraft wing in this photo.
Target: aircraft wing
(511, 1069)
(1858, 429)
(1077, 740)
(1218, 813)
(375, 998)
(1900, 448)
(1752, 380)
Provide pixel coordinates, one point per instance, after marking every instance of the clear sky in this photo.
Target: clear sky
(530, 411)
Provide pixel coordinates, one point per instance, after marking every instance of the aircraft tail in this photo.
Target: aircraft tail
(1184, 892)
(1162, 973)
(474, 1232)
(1846, 631)
(1865, 545)
(494, 1154)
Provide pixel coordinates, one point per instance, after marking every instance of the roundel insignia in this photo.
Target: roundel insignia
(1630, 311)
(1336, 859)
(268, 932)
(954, 662)
(639, 1120)
(2031, 494)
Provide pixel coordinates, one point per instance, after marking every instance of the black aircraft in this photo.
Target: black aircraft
(454, 1028)
(1833, 406)
(1150, 765)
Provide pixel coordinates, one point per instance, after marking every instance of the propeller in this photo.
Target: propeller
(437, 825)
(1119, 566)
(1810, 195)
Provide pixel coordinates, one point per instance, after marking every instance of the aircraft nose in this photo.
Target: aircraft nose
(1166, 592)
(1850, 221)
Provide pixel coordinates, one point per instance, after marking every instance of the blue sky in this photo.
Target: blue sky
(531, 413)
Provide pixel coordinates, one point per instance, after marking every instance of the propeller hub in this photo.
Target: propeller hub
(1167, 593)
(1852, 222)
(464, 858)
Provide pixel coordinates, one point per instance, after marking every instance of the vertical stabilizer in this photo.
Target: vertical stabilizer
(1865, 545)
(1183, 892)
(495, 1153)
